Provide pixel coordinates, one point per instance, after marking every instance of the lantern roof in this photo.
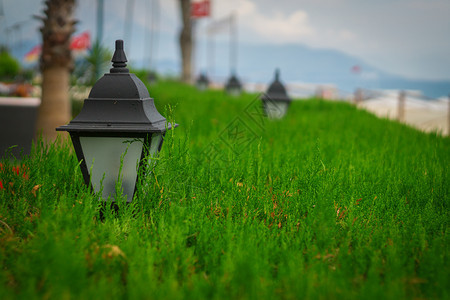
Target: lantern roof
(233, 82)
(203, 79)
(118, 102)
(276, 90)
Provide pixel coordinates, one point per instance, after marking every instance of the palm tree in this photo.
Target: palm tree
(56, 64)
(185, 40)
(89, 69)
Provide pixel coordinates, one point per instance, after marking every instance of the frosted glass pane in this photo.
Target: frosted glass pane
(103, 155)
(276, 109)
(234, 92)
(154, 147)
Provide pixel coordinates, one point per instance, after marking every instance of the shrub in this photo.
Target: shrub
(9, 66)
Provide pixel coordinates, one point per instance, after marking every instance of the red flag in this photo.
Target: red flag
(200, 9)
(34, 53)
(81, 42)
(356, 69)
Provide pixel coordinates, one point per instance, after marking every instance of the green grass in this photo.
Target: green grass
(329, 202)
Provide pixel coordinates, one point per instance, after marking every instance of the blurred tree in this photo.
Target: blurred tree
(56, 64)
(9, 66)
(86, 72)
(186, 40)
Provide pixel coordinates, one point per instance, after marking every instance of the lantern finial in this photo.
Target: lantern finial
(119, 59)
(277, 74)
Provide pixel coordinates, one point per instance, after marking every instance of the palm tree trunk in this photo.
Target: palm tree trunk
(186, 40)
(55, 109)
(56, 63)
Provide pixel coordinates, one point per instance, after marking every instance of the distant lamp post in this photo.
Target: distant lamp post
(117, 132)
(152, 78)
(202, 82)
(233, 86)
(276, 100)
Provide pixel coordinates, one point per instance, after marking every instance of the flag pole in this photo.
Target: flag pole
(99, 36)
(210, 52)
(128, 22)
(233, 42)
(194, 48)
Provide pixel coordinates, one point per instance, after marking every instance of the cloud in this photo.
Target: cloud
(278, 27)
(282, 28)
(346, 35)
(272, 23)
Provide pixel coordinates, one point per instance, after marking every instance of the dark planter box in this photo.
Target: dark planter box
(17, 124)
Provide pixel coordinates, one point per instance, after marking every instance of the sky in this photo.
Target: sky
(410, 38)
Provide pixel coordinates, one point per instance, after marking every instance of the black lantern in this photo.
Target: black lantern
(117, 131)
(202, 82)
(276, 100)
(233, 86)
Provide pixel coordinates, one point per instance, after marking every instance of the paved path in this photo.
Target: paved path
(424, 115)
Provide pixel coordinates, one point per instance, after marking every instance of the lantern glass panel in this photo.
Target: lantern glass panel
(202, 86)
(276, 109)
(103, 156)
(155, 145)
(234, 91)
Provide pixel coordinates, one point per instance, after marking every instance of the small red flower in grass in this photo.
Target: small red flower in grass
(17, 170)
(1, 183)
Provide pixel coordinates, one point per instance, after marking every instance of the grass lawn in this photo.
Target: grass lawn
(329, 202)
